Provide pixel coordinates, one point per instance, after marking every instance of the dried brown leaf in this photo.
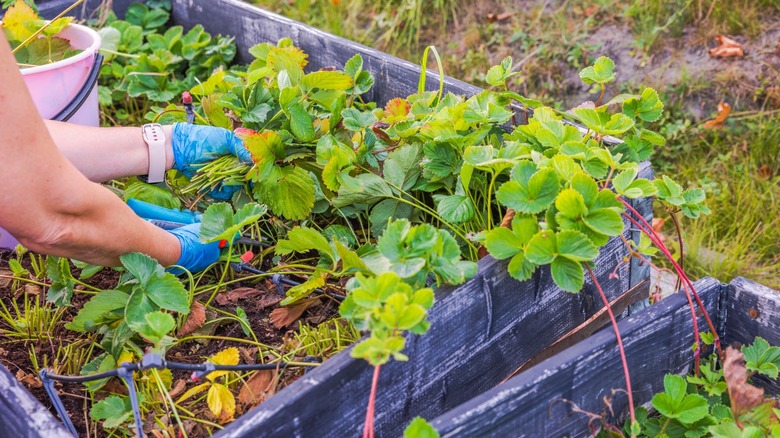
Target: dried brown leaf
(724, 110)
(727, 48)
(492, 18)
(195, 319)
(28, 379)
(765, 172)
(284, 316)
(233, 296)
(178, 388)
(506, 222)
(258, 388)
(248, 354)
(743, 395)
(32, 289)
(5, 280)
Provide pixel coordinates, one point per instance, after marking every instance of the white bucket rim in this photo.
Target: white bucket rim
(89, 52)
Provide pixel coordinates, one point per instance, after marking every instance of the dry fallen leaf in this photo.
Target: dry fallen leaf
(178, 388)
(258, 388)
(492, 18)
(28, 379)
(195, 319)
(5, 280)
(727, 48)
(32, 289)
(506, 222)
(743, 395)
(765, 172)
(248, 354)
(231, 297)
(724, 110)
(284, 316)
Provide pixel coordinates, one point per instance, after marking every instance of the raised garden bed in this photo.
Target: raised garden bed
(657, 342)
(481, 331)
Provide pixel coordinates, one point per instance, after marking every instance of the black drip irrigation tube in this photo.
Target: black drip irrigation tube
(150, 361)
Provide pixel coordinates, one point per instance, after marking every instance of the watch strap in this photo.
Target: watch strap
(155, 139)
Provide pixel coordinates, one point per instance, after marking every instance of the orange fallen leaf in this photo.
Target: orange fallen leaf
(258, 388)
(727, 48)
(195, 319)
(492, 18)
(285, 316)
(724, 110)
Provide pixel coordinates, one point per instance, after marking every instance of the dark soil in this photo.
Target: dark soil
(16, 354)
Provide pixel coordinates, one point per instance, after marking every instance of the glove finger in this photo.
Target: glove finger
(239, 150)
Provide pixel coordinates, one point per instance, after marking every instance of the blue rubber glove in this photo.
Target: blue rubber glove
(195, 256)
(148, 211)
(198, 144)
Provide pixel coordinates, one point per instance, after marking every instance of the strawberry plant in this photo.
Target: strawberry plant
(145, 66)
(33, 40)
(719, 400)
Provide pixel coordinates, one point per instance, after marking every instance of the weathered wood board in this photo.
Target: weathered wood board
(481, 331)
(22, 415)
(657, 341)
(752, 310)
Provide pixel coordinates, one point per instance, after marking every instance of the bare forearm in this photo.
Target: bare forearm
(102, 154)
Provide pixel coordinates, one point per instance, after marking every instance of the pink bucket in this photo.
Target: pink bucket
(66, 90)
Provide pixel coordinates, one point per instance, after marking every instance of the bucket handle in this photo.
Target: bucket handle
(70, 109)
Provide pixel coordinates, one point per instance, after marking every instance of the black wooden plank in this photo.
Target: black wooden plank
(657, 341)
(21, 414)
(480, 333)
(48, 9)
(753, 310)
(252, 25)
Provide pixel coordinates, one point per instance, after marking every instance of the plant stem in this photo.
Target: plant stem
(368, 427)
(619, 342)
(680, 243)
(696, 336)
(601, 96)
(648, 230)
(224, 272)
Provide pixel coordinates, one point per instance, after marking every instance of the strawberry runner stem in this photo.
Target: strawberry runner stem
(368, 427)
(647, 229)
(697, 352)
(619, 342)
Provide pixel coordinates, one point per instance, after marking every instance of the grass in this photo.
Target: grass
(551, 41)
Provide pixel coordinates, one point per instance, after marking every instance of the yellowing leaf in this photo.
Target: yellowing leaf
(221, 402)
(396, 110)
(125, 356)
(14, 19)
(228, 356)
(195, 390)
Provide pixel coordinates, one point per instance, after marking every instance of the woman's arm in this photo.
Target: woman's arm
(49, 205)
(103, 154)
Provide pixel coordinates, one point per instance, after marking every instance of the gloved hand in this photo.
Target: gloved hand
(195, 256)
(198, 144)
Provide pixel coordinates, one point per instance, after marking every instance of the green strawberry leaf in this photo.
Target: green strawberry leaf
(675, 403)
(601, 72)
(158, 324)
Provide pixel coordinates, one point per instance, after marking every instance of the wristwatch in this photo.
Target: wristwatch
(155, 140)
